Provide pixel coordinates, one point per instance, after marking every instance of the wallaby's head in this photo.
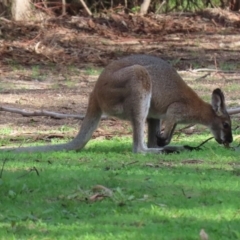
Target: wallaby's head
(221, 124)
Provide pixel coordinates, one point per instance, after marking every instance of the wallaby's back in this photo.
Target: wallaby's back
(167, 86)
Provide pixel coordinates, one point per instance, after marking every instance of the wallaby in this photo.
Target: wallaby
(142, 87)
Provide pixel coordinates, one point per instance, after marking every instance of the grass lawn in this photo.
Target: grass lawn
(106, 192)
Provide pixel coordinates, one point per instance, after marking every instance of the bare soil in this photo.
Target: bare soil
(51, 65)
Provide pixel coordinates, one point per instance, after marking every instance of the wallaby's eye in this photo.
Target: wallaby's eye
(225, 125)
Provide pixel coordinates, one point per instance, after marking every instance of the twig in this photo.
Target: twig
(211, 70)
(179, 131)
(4, 161)
(187, 147)
(160, 6)
(183, 192)
(33, 169)
(36, 47)
(186, 127)
(86, 7)
(5, 20)
(202, 77)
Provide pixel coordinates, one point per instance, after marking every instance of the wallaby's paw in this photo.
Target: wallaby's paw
(161, 142)
(178, 149)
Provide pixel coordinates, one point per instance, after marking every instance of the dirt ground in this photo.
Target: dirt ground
(53, 64)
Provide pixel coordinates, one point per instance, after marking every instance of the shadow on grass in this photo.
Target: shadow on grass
(170, 202)
(149, 228)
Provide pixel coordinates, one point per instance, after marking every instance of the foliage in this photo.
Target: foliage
(74, 6)
(106, 192)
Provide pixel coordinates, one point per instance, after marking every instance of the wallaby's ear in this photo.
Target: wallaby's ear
(218, 102)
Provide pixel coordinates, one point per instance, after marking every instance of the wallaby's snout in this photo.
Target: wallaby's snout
(226, 141)
(224, 135)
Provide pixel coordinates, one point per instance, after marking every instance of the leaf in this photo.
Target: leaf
(131, 197)
(101, 192)
(11, 193)
(72, 196)
(203, 235)
(101, 188)
(91, 24)
(96, 197)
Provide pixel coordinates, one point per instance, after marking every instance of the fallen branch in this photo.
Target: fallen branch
(55, 115)
(26, 113)
(233, 111)
(211, 70)
(5, 20)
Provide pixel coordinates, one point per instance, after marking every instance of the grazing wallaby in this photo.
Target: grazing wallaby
(142, 87)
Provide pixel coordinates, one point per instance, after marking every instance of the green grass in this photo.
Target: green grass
(233, 87)
(47, 195)
(187, 5)
(5, 131)
(93, 71)
(228, 66)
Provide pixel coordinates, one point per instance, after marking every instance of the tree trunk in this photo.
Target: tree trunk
(144, 6)
(20, 9)
(234, 5)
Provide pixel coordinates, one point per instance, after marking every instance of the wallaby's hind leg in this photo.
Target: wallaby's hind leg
(139, 114)
(153, 129)
(137, 105)
(137, 109)
(139, 146)
(130, 99)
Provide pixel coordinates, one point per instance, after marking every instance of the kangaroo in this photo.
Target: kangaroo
(142, 88)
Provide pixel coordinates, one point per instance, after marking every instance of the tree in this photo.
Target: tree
(144, 6)
(234, 5)
(20, 9)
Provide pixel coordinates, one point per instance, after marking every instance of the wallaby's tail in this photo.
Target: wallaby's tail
(89, 124)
